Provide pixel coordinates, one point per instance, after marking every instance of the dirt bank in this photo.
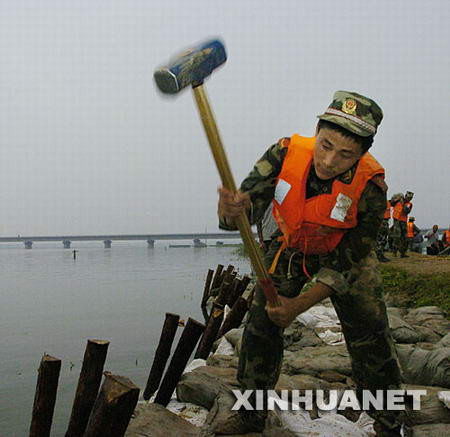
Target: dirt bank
(421, 264)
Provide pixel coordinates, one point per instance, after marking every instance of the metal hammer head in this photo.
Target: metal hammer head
(191, 67)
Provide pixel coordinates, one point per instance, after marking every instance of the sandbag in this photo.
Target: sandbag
(432, 409)
(425, 367)
(431, 430)
(402, 331)
(444, 341)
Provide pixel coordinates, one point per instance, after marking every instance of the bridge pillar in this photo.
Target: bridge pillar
(107, 244)
(28, 244)
(151, 243)
(66, 244)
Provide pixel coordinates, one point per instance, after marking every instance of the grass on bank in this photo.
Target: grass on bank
(405, 289)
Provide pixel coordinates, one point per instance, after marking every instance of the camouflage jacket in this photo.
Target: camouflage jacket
(357, 243)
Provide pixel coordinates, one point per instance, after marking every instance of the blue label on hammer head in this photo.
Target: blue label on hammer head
(191, 67)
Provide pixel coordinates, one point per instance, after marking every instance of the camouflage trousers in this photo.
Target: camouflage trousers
(362, 313)
(382, 238)
(399, 237)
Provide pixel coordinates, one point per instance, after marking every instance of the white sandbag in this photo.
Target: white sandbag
(194, 364)
(333, 338)
(330, 425)
(444, 397)
(319, 316)
(224, 347)
(190, 412)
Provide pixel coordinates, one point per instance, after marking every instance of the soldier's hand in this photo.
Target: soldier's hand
(290, 308)
(231, 205)
(284, 314)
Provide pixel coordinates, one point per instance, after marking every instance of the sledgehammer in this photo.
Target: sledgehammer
(192, 67)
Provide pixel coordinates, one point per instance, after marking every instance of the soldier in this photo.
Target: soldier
(402, 208)
(446, 238)
(383, 233)
(411, 231)
(329, 198)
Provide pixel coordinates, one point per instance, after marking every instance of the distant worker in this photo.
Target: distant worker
(446, 238)
(411, 231)
(417, 243)
(402, 207)
(433, 246)
(383, 233)
(266, 227)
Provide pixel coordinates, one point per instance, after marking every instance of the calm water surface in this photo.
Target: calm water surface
(50, 303)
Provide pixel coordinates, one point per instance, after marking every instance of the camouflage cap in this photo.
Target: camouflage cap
(396, 197)
(354, 112)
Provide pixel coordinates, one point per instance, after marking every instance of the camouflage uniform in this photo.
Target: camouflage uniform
(350, 270)
(382, 239)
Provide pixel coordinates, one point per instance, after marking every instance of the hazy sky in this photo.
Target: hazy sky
(89, 146)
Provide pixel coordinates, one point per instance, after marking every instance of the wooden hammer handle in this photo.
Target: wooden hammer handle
(226, 176)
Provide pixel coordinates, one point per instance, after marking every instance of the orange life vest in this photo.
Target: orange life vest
(387, 213)
(410, 230)
(447, 238)
(399, 214)
(317, 225)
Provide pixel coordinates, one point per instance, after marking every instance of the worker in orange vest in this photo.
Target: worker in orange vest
(446, 237)
(411, 231)
(383, 233)
(329, 197)
(402, 207)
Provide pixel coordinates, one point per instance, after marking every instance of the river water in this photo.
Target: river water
(51, 303)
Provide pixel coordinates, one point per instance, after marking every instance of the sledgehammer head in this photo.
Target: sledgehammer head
(191, 67)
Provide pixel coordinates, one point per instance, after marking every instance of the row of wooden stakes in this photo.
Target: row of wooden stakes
(107, 410)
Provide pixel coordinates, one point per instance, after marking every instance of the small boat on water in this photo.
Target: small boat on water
(198, 243)
(179, 245)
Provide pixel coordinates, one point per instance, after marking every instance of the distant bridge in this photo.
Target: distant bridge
(108, 239)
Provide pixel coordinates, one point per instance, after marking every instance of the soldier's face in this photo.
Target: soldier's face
(334, 154)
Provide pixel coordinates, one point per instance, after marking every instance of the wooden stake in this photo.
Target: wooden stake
(214, 321)
(216, 280)
(191, 333)
(230, 269)
(207, 288)
(88, 385)
(45, 396)
(210, 334)
(162, 354)
(235, 316)
(113, 407)
(224, 290)
(237, 290)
